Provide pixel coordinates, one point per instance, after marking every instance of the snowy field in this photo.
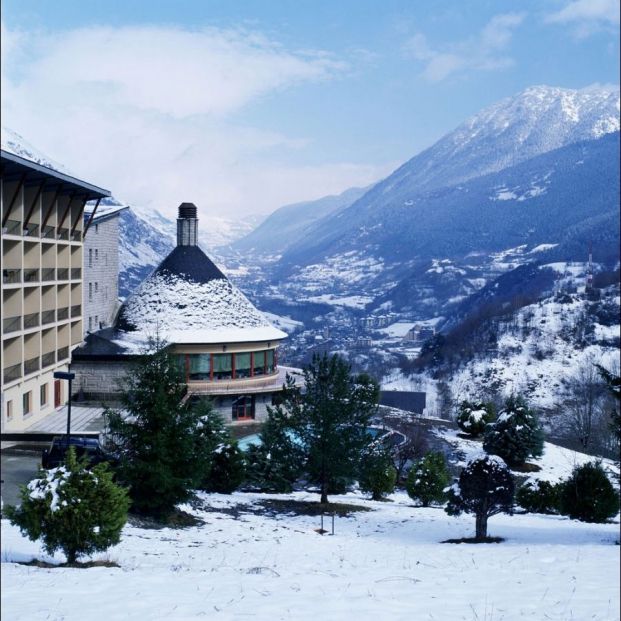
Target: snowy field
(387, 563)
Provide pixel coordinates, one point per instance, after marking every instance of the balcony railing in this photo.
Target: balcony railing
(11, 324)
(12, 227)
(31, 275)
(31, 320)
(31, 366)
(62, 273)
(48, 316)
(12, 373)
(47, 232)
(76, 273)
(76, 310)
(63, 234)
(11, 276)
(48, 359)
(31, 230)
(62, 314)
(62, 353)
(48, 273)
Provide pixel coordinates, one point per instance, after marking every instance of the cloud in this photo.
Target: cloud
(485, 52)
(152, 113)
(588, 16)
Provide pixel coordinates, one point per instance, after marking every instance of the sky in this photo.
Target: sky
(242, 107)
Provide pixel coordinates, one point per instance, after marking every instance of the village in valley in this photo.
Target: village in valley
(395, 398)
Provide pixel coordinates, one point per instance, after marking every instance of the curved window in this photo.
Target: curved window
(208, 367)
(259, 363)
(200, 367)
(222, 366)
(242, 365)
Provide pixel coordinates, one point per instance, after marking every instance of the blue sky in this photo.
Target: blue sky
(249, 105)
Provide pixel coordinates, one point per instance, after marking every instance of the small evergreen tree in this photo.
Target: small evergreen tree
(72, 509)
(516, 434)
(427, 479)
(275, 464)
(588, 495)
(537, 496)
(330, 419)
(227, 471)
(472, 417)
(377, 473)
(165, 445)
(485, 488)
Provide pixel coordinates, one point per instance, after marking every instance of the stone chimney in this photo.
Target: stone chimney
(187, 225)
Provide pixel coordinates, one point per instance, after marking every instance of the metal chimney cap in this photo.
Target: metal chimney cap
(187, 210)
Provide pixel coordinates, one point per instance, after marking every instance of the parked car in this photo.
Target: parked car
(84, 446)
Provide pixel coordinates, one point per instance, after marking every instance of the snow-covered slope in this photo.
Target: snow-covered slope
(15, 143)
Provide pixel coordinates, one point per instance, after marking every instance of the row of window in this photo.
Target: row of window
(94, 254)
(93, 287)
(209, 367)
(28, 404)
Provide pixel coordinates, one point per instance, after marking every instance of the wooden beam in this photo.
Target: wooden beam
(62, 220)
(32, 205)
(90, 219)
(51, 209)
(12, 201)
(80, 212)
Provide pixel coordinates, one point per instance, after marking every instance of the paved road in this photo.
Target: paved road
(17, 469)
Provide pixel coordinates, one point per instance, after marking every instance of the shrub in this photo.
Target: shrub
(588, 495)
(377, 473)
(227, 469)
(536, 496)
(72, 509)
(516, 434)
(427, 479)
(485, 488)
(472, 417)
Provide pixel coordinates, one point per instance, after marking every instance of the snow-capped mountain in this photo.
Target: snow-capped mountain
(15, 143)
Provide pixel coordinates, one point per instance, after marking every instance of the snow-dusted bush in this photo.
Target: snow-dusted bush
(516, 434)
(377, 473)
(72, 509)
(485, 488)
(537, 496)
(588, 495)
(472, 417)
(427, 479)
(227, 469)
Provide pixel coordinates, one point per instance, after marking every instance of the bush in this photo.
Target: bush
(516, 434)
(377, 473)
(588, 495)
(427, 479)
(227, 469)
(536, 496)
(485, 488)
(472, 418)
(72, 509)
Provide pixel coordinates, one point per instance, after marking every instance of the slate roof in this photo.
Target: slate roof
(190, 263)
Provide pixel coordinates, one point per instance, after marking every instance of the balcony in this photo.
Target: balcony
(63, 313)
(13, 373)
(31, 320)
(48, 273)
(48, 359)
(31, 230)
(31, 366)
(48, 316)
(63, 234)
(62, 354)
(76, 236)
(76, 310)
(62, 273)
(11, 324)
(47, 232)
(12, 227)
(76, 273)
(31, 275)
(11, 276)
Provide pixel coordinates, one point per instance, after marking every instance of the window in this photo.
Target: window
(259, 363)
(97, 322)
(96, 255)
(243, 408)
(200, 367)
(90, 291)
(106, 293)
(222, 366)
(96, 287)
(242, 365)
(27, 403)
(270, 361)
(9, 410)
(90, 257)
(43, 395)
(97, 229)
(90, 324)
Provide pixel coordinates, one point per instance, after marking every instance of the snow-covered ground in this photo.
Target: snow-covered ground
(387, 563)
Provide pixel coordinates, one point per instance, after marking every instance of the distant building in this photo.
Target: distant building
(414, 402)
(419, 334)
(42, 254)
(100, 295)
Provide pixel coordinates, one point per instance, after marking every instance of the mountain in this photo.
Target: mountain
(286, 226)
(15, 143)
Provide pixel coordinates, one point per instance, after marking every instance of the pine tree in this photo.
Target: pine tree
(330, 419)
(73, 509)
(377, 472)
(485, 488)
(427, 479)
(165, 444)
(227, 471)
(516, 434)
(473, 417)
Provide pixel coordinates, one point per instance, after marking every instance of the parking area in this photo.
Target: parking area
(18, 468)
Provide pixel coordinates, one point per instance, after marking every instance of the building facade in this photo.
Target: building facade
(100, 294)
(42, 268)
